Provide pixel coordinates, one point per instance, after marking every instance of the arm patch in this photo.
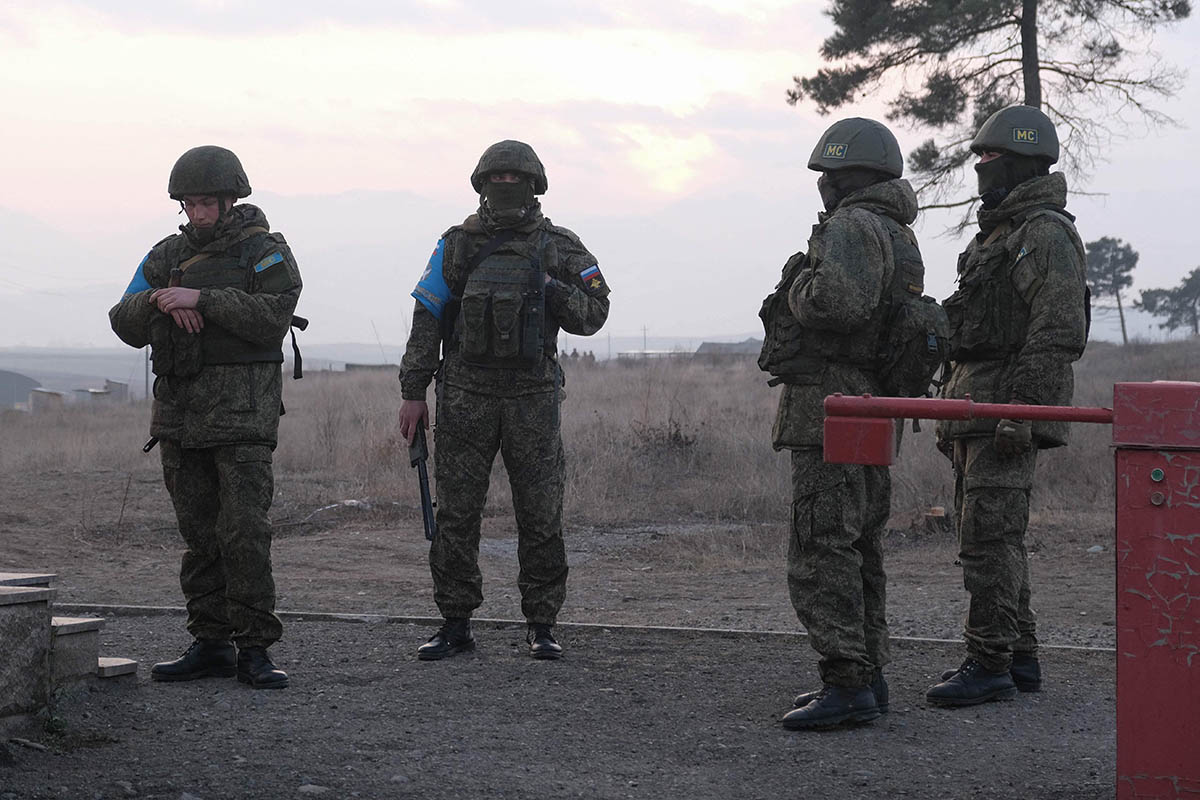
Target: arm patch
(593, 281)
(139, 282)
(274, 273)
(432, 291)
(1027, 277)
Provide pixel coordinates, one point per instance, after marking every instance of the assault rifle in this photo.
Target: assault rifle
(418, 454)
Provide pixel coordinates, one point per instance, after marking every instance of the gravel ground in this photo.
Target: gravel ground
(629, 713)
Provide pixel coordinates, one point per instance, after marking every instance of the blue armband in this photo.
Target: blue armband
(432, 291)
(139, 282)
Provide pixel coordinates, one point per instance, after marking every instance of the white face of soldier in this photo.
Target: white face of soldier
(203, 210)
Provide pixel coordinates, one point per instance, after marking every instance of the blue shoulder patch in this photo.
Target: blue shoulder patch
(432, 291)
(139, 282)
(274, 258)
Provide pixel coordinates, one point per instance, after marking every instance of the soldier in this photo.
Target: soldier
(824, 325)
(494, 295)
(1018, 320)
(214, 302)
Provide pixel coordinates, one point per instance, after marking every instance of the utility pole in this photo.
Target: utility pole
(644, 348)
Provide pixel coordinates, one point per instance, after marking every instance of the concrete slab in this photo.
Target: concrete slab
(25, 643)
(27, 578)
(18, 595)
(115, 667)
(73, 656)
(62, 626)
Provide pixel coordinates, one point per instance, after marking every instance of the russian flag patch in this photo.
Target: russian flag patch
(593, 281)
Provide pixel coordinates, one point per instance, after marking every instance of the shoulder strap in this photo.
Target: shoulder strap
(487, 248)
(1000, 230)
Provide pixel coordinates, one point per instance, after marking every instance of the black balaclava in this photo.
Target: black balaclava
(508, 203)
(836, 185)
(1001, 175)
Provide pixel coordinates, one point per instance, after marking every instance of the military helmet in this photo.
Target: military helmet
(1020, 130)
(857, 142)
(210, 170)
(510, 156)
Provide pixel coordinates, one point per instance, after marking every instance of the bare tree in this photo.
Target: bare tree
(1109, 264)
(1086, 63)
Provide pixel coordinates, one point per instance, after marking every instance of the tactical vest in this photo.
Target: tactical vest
(989, 312)
(794, 354)
(501, 321)
(176, 352)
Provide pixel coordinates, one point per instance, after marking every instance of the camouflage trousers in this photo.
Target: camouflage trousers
(471, 428)
(835, 564)
(221, 497)
(991, 508)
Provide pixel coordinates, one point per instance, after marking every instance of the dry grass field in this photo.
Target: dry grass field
(647, 442)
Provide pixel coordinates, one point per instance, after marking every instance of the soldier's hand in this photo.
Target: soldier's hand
(412, 414)
(189, 319)
(1013, 437)
(174, 297)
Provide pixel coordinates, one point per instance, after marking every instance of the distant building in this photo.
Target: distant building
(119, 392)
(90, 398)
(720, 352)
(44, 400)
(644, 355)
(15, 388)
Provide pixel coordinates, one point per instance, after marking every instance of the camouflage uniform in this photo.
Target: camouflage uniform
(217, 401)
(482, 410)
(835, 558)
(1018, 321)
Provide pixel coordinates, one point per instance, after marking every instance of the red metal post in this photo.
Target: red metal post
(1156, 428)
(1156, 431)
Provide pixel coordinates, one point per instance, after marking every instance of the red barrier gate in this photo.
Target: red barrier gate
(1156, 434)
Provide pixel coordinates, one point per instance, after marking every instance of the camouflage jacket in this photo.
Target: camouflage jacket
(1019, 318)
(576, 302)
(227, 403)
(837, 299)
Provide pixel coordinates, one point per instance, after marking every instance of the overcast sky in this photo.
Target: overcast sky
(663, 127)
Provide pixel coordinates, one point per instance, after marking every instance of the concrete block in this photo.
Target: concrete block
(25, 643)
(45, 579)
(116, 667)
(74, 648)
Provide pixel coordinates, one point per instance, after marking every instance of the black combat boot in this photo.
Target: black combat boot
(1026, 672)
(255, 667)
(834, 705)
(453, 637)
(541, 642)
(206, 658)
(879, 688)
(970, 685)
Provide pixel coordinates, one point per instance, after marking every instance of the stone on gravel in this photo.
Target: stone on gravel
(312, 788)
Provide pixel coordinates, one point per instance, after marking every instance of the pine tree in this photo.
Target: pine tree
(958, 61)
(1109, 264)
(1180, 306)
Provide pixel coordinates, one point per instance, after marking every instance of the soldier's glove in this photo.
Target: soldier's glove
(1013, 437)
(946, 447)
